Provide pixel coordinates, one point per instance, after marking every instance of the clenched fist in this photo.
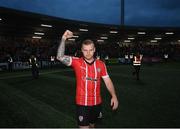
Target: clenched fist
(67, 34)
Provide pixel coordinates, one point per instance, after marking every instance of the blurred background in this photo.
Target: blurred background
(119, 28)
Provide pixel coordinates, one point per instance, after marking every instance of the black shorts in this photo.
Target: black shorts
(88, 114)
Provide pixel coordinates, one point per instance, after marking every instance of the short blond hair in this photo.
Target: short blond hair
(87, 42)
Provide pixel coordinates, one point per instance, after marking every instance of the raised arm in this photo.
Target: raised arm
(61, 49)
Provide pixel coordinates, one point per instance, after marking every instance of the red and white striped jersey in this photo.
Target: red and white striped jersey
(88, 80)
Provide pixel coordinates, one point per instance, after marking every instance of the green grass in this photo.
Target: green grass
(49, 101)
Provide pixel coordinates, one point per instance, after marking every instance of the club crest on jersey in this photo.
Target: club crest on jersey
(80, 118)
(98, 70)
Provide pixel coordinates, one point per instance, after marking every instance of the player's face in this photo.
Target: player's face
(88, 51)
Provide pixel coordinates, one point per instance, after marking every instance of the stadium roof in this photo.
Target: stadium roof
(27, 25)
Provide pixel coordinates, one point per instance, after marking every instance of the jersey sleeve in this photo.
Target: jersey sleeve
(104, 73)
(74, 61)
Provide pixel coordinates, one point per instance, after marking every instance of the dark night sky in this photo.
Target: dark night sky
(152, 12)
(137, 12)
(100, 11)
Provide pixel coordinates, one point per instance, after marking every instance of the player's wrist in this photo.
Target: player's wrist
(114, 96)
(63, 38)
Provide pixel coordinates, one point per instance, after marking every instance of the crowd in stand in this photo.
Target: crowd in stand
(116, 50)
(20, 50)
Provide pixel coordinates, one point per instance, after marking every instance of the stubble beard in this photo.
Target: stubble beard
(88, 58)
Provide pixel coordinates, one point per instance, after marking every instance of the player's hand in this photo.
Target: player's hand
(67, 34)
(114, 103)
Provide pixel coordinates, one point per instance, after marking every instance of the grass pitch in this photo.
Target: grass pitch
(49, 101)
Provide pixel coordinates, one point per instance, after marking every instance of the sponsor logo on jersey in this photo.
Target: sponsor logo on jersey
(91, 79)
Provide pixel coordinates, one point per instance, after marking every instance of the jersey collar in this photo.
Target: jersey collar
(91, 62)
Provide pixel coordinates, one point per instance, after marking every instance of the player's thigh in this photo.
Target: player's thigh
(82, 115)
(95, 113)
